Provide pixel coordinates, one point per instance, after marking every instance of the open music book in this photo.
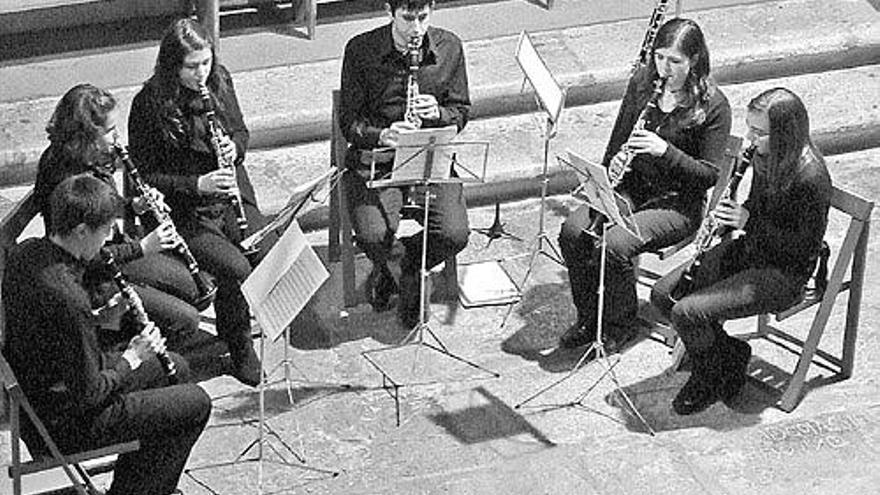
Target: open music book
(284, 281)
(595, 189)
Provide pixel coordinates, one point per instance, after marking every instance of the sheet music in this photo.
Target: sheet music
(549, 92)
(595, 189)
(284, 281)
(299, 197)
(414, 162)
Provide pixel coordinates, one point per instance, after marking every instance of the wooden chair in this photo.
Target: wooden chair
(850, 258)
(73, 464)
(340, 246)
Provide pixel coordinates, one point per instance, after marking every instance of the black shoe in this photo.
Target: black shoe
(380, 287)
(246, 366)
(577, 335)
(697, 394)
(617, 337)
(736, 365)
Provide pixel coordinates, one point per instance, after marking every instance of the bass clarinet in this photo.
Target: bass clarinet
(710, 229)
(206, 289)
(651, 33)
(137, 306)
(214, 133)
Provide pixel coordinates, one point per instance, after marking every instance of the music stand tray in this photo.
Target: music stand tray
(437, 163)
(596, 191)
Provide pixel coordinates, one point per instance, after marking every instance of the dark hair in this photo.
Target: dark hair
(685, 36)
(410, 5)
(182, 37)
(78, 120)
(82, 198)
(789, 134)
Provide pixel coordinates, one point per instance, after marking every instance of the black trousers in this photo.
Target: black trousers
(376, 213)
(214, 244)
(661, 222)
(724, 289)
(167, 420)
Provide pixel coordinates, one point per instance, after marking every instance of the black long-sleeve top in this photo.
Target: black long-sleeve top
(55, 166)
(171, 160)
(691, 162)
(374, 80)
(50, 339)
(786, 227)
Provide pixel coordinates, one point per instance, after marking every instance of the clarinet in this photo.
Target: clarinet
(710, 229)
(137, 305)
(414, 56)
(206, 289)
(651, 33)
(215, 134)
(641, 122)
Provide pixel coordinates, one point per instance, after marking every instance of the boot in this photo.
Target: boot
(702, 388)
(410, 295)
(246, 366)
(380, 287)
(736, 363)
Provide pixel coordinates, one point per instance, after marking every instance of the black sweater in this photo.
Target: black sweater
(172, 162)
(691, 163)
(785, 228)
(50, 339)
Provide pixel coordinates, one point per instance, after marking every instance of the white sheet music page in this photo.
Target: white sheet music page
(284, 281)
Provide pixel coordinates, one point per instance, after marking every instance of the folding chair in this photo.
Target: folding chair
(10, 229)
(850, 258)
(340, 246)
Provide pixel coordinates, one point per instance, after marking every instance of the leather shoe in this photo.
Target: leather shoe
(577, 335)
(380, 287)
(246, 366)
(618, 337)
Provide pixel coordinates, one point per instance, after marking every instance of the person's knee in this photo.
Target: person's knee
(570, 233)
(457, 238)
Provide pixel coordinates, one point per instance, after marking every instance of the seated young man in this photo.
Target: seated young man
(87, 398)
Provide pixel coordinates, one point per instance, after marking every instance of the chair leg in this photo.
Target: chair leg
(15, 438)
(349, 286)
(854, 302)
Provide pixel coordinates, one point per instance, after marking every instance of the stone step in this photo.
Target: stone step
(515, 161)
(291, 103)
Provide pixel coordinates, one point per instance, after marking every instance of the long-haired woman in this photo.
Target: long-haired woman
(675, 160)
(765, 270)
(170, 140)
(82, 132)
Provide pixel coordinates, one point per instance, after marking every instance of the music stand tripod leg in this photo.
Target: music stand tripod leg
(599, 348)
(541, 237)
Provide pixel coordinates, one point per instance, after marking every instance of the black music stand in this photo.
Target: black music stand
(595, 190)
(551, 98)
(434, 162)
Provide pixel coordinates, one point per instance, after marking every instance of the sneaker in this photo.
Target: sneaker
(617, 337)
(577, 335)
